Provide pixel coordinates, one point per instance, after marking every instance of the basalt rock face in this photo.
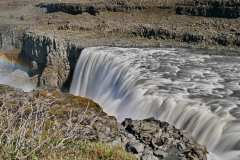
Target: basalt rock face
(10, 37)
(152, 140)
(208, 8)
(191, 37)
(92, 9)
(96, 7)
(70, 8)
(160, 32)
(54, 60)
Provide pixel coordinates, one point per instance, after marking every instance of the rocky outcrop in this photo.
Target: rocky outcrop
(71, 8)
(10, 37)
(210, 8)
(92, 9)
(156, 32)
(152, 140)
(192, 37)
(96, 7)
(159, 32)
(65, 117)
(54, 59)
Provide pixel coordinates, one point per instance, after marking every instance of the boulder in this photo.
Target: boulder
(159, 141)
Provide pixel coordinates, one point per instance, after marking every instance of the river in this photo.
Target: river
(195, 92)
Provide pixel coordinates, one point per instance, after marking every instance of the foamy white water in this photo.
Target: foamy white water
(197, 93)
(15, 75)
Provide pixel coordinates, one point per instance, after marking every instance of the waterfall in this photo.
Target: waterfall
(193, 92)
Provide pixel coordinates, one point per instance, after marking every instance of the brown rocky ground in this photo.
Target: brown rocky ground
(121, 23)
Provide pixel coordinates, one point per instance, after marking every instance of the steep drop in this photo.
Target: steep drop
(197, 93)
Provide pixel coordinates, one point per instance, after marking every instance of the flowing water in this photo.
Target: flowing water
(197, 93)
(14, 74)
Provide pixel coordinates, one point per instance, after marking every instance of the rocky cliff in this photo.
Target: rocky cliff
(53, 59)
(210, 8)
(10, 37)
(95, 7)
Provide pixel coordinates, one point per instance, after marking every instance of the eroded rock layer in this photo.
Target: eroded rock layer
(210, 8)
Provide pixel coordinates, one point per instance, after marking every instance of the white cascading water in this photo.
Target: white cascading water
(197, 93)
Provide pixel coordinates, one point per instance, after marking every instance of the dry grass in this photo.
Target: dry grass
(31, 129)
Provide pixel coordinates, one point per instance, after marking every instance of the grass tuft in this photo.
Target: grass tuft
(52, 126)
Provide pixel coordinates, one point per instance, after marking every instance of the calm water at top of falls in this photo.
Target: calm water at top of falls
(197, 93)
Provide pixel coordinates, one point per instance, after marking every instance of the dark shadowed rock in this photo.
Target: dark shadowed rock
(222, 39)
(191, 37)
(237, 41)
(209, 8)
(71, 8)
(135, 147)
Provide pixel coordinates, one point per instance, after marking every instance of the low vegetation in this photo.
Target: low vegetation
(46, 125)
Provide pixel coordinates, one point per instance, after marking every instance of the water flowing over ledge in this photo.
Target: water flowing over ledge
(198, 93)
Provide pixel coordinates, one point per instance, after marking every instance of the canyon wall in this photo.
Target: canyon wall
(209, 8)
(10, 37)
(52, 59)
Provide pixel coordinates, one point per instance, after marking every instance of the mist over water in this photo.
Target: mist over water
(197, 93)
(15, 75)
